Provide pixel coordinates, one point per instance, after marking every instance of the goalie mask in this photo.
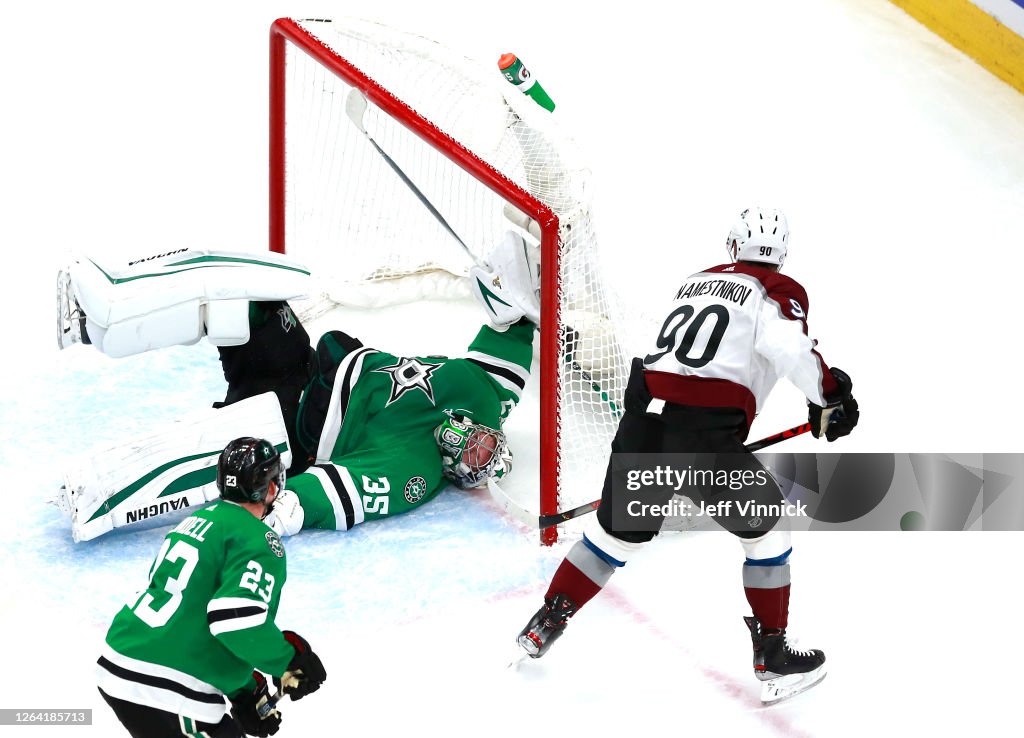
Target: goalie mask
(246, 468)
(471, 453)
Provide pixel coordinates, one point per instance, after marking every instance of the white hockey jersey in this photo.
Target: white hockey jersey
(732, 331)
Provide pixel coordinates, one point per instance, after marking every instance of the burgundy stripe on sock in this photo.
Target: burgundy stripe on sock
(573, 583)
(770, 606)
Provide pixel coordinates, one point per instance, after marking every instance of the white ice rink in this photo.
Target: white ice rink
(900, 163)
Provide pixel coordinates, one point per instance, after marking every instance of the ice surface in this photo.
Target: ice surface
(900, 164)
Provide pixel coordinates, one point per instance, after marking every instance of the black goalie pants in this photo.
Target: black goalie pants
(278, 358)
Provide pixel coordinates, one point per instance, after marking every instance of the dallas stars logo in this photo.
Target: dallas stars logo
(275, 544)
(408, 375)
(288, 319)
(415, 488)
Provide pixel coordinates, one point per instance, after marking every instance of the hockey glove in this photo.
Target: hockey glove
(508, 285)
(840, 416)
(286, 516)
(305, 672)
(255, 711)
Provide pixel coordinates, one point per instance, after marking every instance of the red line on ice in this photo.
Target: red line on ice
(734, 688)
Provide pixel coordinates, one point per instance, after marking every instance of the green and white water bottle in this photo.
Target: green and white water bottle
(516, 73)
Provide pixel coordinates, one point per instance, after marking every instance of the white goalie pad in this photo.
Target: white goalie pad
(172, 470)
(177, 298)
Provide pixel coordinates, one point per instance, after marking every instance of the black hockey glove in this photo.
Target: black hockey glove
(305, 672)
(840, 416)
(255, 711)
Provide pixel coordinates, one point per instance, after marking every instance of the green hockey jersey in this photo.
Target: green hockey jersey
(205, 621)
(375, 454)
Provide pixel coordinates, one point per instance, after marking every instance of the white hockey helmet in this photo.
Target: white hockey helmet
(760, 234)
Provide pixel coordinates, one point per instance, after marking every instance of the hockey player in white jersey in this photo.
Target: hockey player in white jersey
(730, 333)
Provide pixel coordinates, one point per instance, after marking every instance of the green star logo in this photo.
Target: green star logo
(408, 375)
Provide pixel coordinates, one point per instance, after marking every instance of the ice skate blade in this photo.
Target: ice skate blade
(521, 656)
(517, 660)
(62, 499)
(781, 688)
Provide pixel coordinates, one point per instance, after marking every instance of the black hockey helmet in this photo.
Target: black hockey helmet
(246, 468)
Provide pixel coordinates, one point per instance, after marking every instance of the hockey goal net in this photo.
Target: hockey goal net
(396, 163)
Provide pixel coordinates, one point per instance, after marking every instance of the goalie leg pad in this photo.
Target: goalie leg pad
(149, 477)
(227, 322)
(172, 300)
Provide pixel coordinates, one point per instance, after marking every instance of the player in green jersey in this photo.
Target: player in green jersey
(399, 429)
(203, 629)
(366, 434)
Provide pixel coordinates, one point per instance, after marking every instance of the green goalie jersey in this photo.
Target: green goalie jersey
(205, 621)
(374, 419)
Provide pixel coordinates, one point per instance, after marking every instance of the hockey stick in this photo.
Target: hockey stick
(547, 521)
(798, 430)
(269, 703)
(355, 108)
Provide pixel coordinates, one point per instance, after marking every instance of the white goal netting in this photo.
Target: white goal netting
(353, 103)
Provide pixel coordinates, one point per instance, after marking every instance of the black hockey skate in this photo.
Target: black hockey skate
(546, 626)
(783, 671)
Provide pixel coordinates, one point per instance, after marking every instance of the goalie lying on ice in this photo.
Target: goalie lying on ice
(366, 434)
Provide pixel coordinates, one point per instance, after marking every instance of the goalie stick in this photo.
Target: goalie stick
(355, 108)
(546, 521)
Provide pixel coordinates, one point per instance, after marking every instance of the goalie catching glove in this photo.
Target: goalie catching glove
(305, 672)
(254, 710)
(840, 416)
(508, 284)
